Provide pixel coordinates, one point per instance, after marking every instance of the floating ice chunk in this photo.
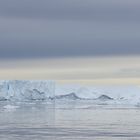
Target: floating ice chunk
(10, 108)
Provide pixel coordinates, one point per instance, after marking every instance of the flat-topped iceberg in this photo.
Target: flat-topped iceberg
(26, 89)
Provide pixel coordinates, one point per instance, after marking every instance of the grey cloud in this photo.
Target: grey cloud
(72, 9)
(46, 48)
(67, 28)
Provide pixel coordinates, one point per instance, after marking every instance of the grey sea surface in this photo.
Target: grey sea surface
(68, 120)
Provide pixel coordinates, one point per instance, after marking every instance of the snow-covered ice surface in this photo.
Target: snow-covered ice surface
(41, 110)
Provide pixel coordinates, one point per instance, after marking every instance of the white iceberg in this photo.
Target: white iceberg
(26, 89)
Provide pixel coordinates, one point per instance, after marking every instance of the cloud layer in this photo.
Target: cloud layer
(68, 28)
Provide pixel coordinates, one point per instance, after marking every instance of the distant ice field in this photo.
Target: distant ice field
(37, 90)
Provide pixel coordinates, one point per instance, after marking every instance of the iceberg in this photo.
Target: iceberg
(22, 90)
(115, 95)
(104, 98)
(45, 90)
(71, 96)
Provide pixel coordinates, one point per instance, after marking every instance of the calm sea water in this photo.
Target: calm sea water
(73, 120)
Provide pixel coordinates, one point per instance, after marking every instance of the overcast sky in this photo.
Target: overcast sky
(67, 28)
(90, 41)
